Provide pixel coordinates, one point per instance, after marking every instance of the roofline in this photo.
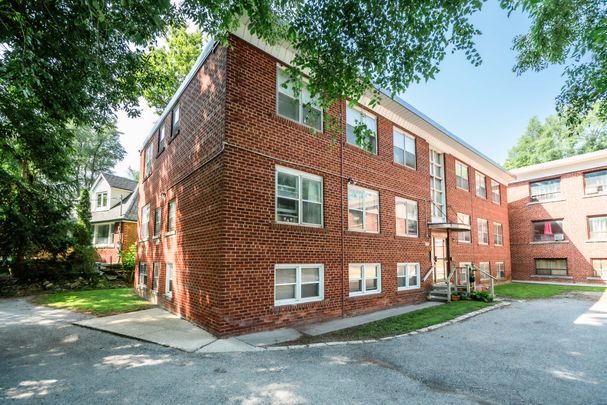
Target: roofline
(190, 76)
(586, 161)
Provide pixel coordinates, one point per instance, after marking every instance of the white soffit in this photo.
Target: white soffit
(587, 161)
(403, 115)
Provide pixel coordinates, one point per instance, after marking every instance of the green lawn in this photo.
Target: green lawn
(527, 291)
(400, 324)
(97, 302)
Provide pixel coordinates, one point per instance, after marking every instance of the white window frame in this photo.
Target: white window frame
(601, 186)
(149, 151)
(496, 226)
(175, 120)
(464, 169)
(157, 222)
(495, 184)
(500, 273)
(477, 176)
(364, 278)
(361, 112)
(161, 137)
(169, 275)
(590, 220)
(396, 132)
(399, 200)
(298, 283)
(602, 274)
(143, 277)
(543, 190)
(172, 217)
(145, 223)
(300, 177)
(109, 235)
(488, 269)
(155, 274)
(107, 200)
(480, 221)
(406, 267)
(300, 104)
(461, 217)
(437, 195)
(364, 210)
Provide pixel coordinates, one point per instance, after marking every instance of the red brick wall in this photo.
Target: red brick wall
(573, 208)
(124, 234)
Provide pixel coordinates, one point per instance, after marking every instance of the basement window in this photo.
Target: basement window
(551, 267)
(298, 283)
(364, 278)
(407, 276)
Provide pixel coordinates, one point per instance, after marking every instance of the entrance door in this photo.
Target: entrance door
(439, 254)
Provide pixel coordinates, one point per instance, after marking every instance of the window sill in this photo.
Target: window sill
(166, 235)
(295, 303)
(362, 233)
(298, 227)
(596, 278)
(144, 240)
(594, 195)
(481, 197)
(498, 245)
(363, 295)
(462, 189)
(595, 241)
(301, 125)
(541, 276)
(359, 149)
(545, 201)
(408, 289)
(549, 242)
(160, 151)
(156, 237)
(483, 244)
(408, 236)
(414, 169)
(168, 296)
(103, 246)
(464, 242)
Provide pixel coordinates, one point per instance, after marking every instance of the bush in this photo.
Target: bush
(129, 257)
(481, 296)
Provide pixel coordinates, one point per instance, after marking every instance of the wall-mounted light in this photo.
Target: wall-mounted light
(163, 196)
(351, 180)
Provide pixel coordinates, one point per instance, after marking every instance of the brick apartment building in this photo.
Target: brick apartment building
(558, 217)
(251, 217)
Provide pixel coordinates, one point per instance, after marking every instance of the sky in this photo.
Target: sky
(487, 106)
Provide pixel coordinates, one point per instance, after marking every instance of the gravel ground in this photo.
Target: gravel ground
(544, 351)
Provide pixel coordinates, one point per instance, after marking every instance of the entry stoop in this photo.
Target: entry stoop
(439, 292)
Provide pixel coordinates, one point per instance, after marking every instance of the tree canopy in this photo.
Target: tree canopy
(555, 139)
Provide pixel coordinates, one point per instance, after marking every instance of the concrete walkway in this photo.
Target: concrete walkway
(163, 328)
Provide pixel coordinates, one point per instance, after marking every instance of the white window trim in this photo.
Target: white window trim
(408, 287)
(370, 115)
(398, 200)
(301, 175)
(404, 134)
(497, 264)
(149, 152)
(499, 192)
(109, 236)
(171, 231)
(364, 230)
(476, 183)
(364, 278)
(155, 276)
(157, 232)
(463, 223)
(457, 162)
(478, 231)
(107, 201)
(145, 225)
(139, 284)
(298, 284)
(169, 294)
(301, 105)
(483, 276)
(495, 234)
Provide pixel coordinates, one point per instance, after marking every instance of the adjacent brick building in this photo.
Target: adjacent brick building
(253, 215)
(558, 217)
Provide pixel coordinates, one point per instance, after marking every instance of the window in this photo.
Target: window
(171, 220)
(485, 270)
(464, 236)
(595, 182)
(500, 270)
(364, 278)
(437, 187)
(161, 132)
(143, 275)
(368, 140)
(145, 220)
(363, 209)
(298, 197)
(548, 231)
(175, 118)
(597, 228)
(102, 235)
(461, 176)
(545, 190)
(407, 275)
(483, 231)
(169, 277)
(155, 272)
(406, 217)
(551, 267)
(481, 185)
(404, 149)
(157, 222)
(101, 200)
(301, 108)
(294, 283)
(495, 192)
(498, 234)
(600, 268)
(148, 160)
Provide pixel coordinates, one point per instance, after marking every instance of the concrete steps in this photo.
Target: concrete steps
(438, 293)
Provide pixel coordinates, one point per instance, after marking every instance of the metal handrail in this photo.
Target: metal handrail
(428, 272)
(491, 278)
(449, 285)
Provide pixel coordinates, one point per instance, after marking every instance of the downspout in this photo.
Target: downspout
(341, 196)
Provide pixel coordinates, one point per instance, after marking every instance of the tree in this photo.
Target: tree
(168, 65)
(571, 33)
(96, 150)
(133, 173)
(555, 139)
(82, 256)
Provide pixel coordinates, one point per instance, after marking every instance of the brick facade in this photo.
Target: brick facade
(220, 169)
(573, 207)
(124, 234)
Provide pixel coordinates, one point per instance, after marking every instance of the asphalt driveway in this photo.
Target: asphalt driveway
(546, 351)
